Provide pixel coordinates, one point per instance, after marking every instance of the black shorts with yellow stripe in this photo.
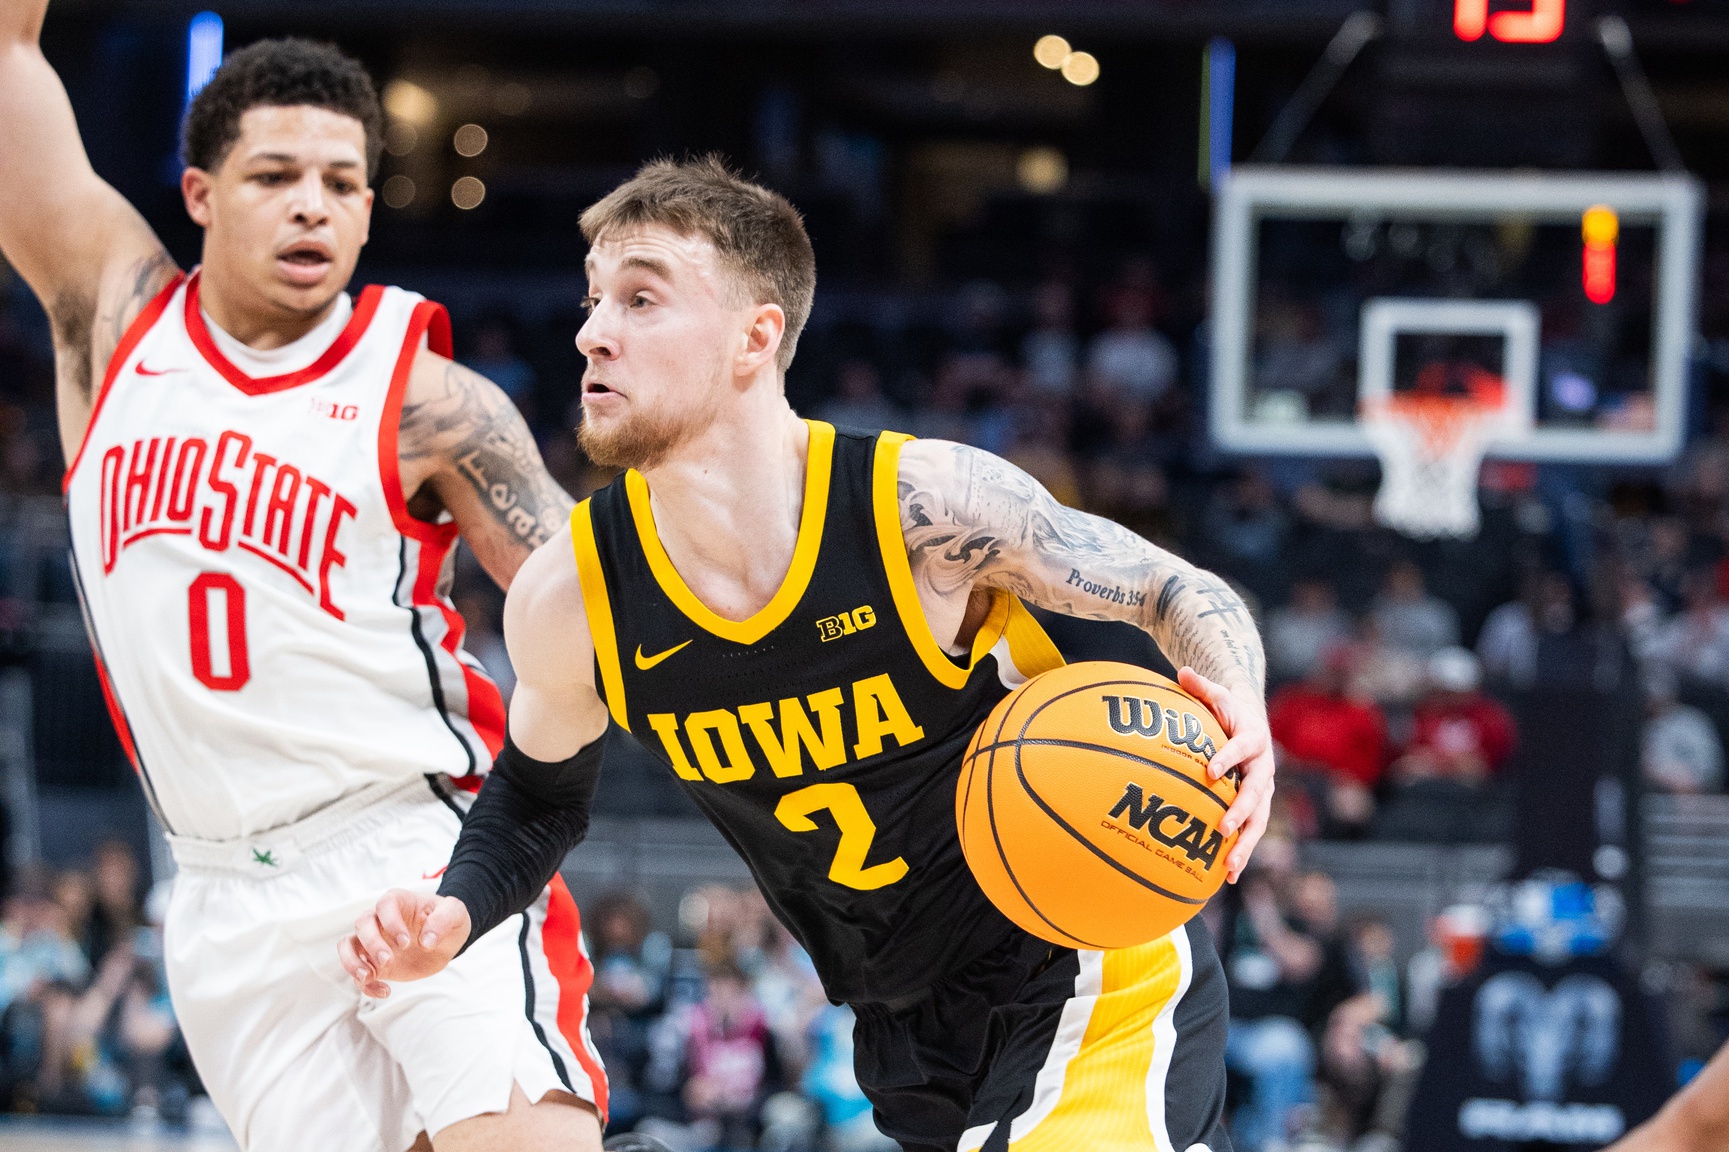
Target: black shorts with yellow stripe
(1034, 1048)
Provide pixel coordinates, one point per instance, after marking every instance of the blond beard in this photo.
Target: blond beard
(640, 441)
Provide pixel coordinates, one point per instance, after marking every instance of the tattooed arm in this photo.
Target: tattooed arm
(974, 522)
(86, 253)
(464, 448)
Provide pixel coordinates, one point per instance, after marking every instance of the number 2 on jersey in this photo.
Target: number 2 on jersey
(198, 598)
(857, 830)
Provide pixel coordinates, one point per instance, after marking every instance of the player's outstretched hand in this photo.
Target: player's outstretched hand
(406, 937)
(1250, 748)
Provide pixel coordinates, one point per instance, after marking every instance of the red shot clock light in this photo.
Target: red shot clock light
(1602, 230)
(1541, 23)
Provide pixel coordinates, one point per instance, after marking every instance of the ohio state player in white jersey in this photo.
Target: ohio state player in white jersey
(267, 480)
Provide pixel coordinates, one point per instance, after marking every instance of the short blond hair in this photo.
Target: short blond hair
(758, 234)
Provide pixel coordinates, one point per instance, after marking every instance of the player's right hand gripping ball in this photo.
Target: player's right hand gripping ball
(1084, 807)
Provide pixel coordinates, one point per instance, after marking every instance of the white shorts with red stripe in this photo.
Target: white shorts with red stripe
(294, 1057)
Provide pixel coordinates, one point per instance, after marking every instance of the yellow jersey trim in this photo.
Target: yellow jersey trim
(819, 461)
(598, 605)
(1030, 650)
(1113, 1084)
(885, 501)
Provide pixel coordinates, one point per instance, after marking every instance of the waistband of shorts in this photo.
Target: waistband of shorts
(281, 850)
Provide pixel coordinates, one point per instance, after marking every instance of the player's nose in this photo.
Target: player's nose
(594, 340)
(306, 198)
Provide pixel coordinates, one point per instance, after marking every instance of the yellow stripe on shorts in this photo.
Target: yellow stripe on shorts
(1113, 1088)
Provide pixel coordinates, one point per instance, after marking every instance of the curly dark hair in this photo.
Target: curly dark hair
(279, 73)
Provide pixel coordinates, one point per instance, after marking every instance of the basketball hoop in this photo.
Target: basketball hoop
(1431, 446)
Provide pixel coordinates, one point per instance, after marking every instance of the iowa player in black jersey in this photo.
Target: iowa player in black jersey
(806, 625)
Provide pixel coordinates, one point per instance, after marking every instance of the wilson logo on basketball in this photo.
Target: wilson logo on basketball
(1153, 815)
(1182, 729)
(228, 496)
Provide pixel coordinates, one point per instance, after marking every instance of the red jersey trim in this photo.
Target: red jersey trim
(431, 321)
(122, 352)
(561, 941)
(364, 309)
(485, 702)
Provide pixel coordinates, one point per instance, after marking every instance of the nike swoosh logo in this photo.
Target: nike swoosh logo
(433, 875)
(143, 371)
(647, 662)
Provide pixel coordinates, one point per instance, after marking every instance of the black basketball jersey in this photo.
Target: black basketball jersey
(824, 735)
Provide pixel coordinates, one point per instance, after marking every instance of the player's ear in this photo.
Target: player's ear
(195, 186)
(762, 338)
(366, 218)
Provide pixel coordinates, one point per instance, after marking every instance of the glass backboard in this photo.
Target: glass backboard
(1574, 290)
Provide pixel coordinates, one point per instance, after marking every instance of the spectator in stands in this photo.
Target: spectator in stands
(859, 401)
(1507, 645)
(119, 910)
(1408, 617)
(1051, 351)
(1284, 979)
(1665, 561)
(630, 970)
(75, 895)
(1299, 633)
(1458, 733)
(1338, 743)
(785, 983)
(1442, 787)
(1131, 357)
(1245, 521)
(1695, 642)
(1390, 675)
(37, 947)
(729, 1057)
(1679, 747)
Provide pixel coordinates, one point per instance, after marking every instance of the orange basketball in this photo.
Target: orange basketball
(1084, 806)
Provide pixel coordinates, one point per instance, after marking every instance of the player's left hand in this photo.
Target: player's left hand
(405, 937)
(1249, 748)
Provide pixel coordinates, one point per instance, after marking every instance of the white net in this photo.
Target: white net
(1431, 448)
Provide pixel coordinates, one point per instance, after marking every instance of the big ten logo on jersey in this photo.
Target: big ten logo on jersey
(832, 726)
(331, 410)
(845, 624)
(230, 496)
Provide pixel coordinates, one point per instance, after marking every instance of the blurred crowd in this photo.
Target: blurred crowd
(85, 1023)
(727, 1042)
(1396, 675)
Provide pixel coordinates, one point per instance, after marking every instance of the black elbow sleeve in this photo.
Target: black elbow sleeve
(528, 816)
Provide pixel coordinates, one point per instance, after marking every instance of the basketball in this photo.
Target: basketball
(1084, 807)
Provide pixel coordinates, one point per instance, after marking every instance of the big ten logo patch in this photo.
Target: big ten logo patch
(331, 410)
(845, 624)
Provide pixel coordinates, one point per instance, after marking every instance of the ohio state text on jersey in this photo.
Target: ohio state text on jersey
(273, 628)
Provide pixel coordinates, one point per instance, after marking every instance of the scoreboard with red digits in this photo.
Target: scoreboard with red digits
(1533, 22)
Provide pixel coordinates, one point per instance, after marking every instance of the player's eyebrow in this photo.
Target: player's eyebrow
(649, 265)
(291, 158)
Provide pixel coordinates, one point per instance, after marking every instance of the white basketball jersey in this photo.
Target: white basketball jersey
(273, 628)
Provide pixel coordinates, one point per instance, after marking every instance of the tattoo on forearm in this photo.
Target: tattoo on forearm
(1110, 593)
(472, 426)
(971, 519)
(1168, 596)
